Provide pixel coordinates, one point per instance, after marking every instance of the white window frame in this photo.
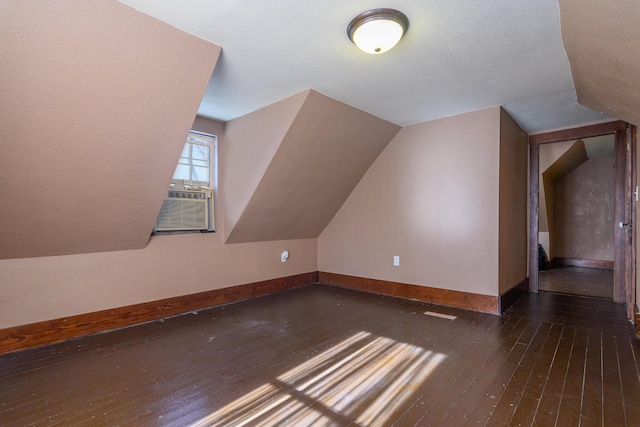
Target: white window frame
(213, 163)
(180, 186)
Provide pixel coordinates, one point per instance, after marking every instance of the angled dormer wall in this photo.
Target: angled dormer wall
(601, 40)
(556, 160)
(324, 152)
(252, 142)
(97, 100)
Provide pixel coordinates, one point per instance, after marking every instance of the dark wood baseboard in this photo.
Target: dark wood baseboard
(466, 300)
(576, 262)
(57, 330)
(507, 299)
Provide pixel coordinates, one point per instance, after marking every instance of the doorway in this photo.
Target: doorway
(622, 251)
(576, 217)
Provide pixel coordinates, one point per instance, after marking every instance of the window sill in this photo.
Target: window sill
(171, 232)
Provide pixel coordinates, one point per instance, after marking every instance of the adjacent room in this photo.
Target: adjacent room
(251, 214)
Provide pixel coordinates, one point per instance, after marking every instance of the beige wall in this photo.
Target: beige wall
(255, 138)
(556, 160)
(601, 41)
(37, 289)
(583, 212)
(514, 195)
(431, 198)
(325, 152)
(97, 100)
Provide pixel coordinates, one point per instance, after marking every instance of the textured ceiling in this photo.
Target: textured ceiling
(457, 56)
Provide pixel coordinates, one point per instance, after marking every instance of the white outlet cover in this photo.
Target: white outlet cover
(396, 260)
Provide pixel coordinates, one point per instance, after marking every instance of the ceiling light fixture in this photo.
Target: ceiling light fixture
(377, 30)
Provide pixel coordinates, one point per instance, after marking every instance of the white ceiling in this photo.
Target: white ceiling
(458, 56)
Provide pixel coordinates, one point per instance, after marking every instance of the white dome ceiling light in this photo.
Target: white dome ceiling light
(377, 30)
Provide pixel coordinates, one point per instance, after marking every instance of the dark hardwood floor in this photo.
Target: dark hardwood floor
(591, 282)
(322, 355)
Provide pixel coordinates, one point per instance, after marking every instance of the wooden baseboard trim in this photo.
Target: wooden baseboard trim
(576, 262)
(58, 330)
(465, 300)
(507, 299)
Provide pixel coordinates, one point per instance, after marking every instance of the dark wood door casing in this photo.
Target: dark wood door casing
(625, 182)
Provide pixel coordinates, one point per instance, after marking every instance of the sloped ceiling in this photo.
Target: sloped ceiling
(602, 42)
(97, 100)
(457, 56)
(324, 154)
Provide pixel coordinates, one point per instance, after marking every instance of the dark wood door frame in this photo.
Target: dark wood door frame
(625, 182)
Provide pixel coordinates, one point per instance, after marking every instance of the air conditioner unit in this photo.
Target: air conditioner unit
(184, 210)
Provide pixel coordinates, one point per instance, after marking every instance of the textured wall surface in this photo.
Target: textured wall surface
(601, 41)
(37, 289)
(320, 159)
(513, 228)
(584, 212)
(556, 161)
(97, 101)
(430, 198)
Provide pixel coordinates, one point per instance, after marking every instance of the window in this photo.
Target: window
(188, 205)
(195, 167)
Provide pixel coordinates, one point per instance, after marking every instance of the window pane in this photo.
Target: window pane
(185, 151)
(194, 164)
(182, 172)
(200, 174)
(201, 152)
(199, 139)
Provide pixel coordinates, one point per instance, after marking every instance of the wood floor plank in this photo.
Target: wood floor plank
(463, 372)
(571, 401)
(454, 346)
(486, 404)
(453, 401)
(591, 313)
(630, 383)
(591, 282)
(512, 395)
(612, 384)
(472, 392)
(339, 357)
(527, 409)
(592, 393)
(549, 403)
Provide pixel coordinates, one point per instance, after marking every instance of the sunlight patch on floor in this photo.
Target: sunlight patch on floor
(365, 377)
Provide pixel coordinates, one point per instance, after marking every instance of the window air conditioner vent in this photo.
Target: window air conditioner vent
(184, 210)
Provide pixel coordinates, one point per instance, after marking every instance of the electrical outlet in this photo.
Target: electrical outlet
(396, 260)
(284, 256)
